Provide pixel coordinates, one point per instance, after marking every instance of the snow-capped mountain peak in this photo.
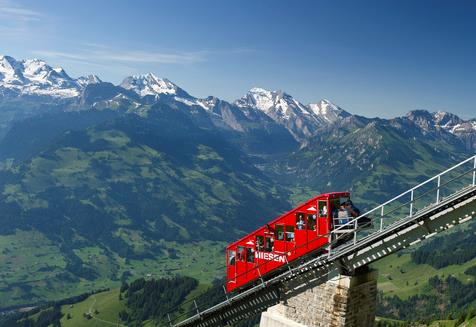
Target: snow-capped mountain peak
(8, 63)
(327, 111)
(446, 119)
(35, 77)
(88, 79)
(150, 84)
(441, 120)
(39, 72)
(10, 70)
(274, 103)
(259, 98)
(302, 120)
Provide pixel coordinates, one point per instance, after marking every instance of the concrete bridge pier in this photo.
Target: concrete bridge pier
(340, 301)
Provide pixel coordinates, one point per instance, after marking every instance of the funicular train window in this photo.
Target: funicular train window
(231, 257)
(322, 209)
(289, 233)
(279, 232)
(300, 222)
(259, 243)
(241, 253)
(311, 222)
(269, 246)
(250, 255)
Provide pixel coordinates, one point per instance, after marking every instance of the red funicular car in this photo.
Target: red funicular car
(299, 232)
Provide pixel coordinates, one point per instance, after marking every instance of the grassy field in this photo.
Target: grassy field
(104, 308)
(28, 257)
(399, 276)
(32, 268)
(438, 323)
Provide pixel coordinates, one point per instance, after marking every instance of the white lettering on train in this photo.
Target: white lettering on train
(270, 256)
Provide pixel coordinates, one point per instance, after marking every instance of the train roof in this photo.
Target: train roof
(320, 196)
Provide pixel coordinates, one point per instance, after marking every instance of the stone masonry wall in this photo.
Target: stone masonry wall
(341, 301)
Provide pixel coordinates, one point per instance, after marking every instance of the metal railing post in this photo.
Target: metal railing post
(226, 294)
(411, 204)
(438, 190)
(170, 320)
(474, 172)
(329, 240)
(261, 278)
(381, 219)
(196, 307)
(355, 231)
(287, 263)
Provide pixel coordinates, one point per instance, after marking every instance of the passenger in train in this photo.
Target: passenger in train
(323, 211)
(349, 206)
(343, 215)
(300, 224)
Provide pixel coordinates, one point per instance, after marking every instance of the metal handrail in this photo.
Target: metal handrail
(473, 170)
(409, 191)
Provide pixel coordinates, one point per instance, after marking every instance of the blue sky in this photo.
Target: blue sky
(374, 58)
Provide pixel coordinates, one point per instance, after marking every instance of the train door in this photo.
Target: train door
(241, 264)
(300, 234)
(311, 227)
(251, 272)
(290, 238)
(231, 266)
(323, 213)
(279, 238)
(264, 245)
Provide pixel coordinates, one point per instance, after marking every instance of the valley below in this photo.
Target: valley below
(117, 189)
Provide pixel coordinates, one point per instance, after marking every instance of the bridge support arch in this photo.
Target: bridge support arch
(341, 300)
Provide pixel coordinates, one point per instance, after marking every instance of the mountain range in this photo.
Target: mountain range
(34, 77)
(97, 179)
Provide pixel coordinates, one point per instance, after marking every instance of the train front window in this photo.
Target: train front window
(259, 243)
(300, 223)
(231, 257)
(250, 255)
(322, 209)
(279, 232)
(289, 233)
(269, 246)
(311, 222)
(241, 253)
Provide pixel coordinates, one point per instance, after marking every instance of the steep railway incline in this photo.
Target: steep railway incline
(437, 204)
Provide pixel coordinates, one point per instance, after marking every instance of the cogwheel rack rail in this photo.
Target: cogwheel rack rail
(441, 202)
